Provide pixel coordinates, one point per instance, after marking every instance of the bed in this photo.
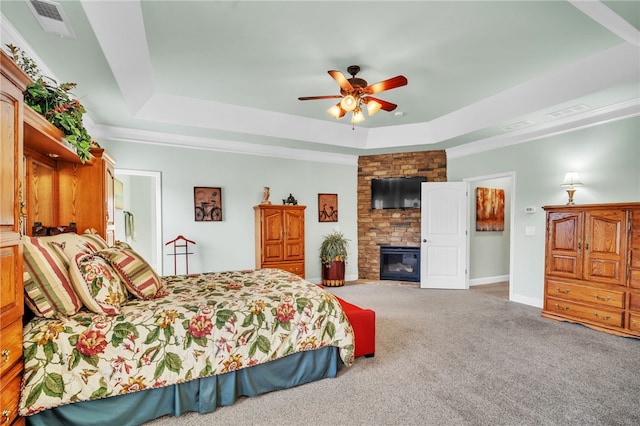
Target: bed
(149, 346)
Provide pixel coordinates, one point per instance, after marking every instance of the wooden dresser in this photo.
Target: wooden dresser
(12, 84)
(280, 237)
(592, 266)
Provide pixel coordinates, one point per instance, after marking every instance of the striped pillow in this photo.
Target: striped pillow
(97, 284)
(72, 244)
(136, 274)
(91, 236)
(47, 288)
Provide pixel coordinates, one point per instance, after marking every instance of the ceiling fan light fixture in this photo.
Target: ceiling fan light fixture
(358, 116)
(373, 107)
(348, 103)
(335, 111)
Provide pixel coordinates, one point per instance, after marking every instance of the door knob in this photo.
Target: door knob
(424, 240)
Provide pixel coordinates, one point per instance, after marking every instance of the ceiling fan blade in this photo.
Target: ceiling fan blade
(392, 83)
(387, 106)
(313, 98)
(341, 79)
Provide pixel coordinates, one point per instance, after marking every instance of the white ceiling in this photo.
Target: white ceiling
(227, 74)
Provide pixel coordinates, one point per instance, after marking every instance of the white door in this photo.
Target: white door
(444, 234)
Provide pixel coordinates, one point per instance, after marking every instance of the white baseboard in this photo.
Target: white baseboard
(526, 300)
(489, 280)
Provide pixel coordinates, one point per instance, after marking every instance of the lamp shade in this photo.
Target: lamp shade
(348, 103)
(571, 179)
(335, 111)
(358, 116)
(373, 107)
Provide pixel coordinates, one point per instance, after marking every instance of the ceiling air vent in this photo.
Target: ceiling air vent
(51, 17)
(516, 126)
(568, 111)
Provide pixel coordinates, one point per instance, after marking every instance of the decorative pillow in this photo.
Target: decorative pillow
(136, 274)
(48, 290)
(97, 284)
(72, 244)
(121, 244)
(91, 236)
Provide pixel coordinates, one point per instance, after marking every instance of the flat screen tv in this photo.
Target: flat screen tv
(396, 193)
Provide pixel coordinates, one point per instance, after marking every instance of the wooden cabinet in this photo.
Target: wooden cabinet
(634, 272)
(86, 194)
(280, 237)
(591, 276)
(12, 83)
(42, 180)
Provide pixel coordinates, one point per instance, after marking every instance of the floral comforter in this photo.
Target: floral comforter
(207, 324)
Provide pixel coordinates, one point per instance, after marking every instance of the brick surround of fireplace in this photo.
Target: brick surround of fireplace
(391, 227)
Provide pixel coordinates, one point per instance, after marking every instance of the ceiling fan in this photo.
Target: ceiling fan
(354, 92)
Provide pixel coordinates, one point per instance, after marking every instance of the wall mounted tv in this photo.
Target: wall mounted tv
(396, 193)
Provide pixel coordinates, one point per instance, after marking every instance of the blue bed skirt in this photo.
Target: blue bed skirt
(201, 395)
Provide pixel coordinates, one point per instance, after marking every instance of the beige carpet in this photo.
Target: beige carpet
(458, 357)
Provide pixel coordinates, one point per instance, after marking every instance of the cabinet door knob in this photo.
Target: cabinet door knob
(5, 354)
(5, 416)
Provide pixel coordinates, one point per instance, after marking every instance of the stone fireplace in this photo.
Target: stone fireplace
(400, 263)
(398, 228)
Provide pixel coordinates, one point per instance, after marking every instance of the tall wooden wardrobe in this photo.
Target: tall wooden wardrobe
(280, 237)
(12, 83)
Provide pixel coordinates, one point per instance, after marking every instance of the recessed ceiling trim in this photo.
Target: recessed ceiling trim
(234, 147)
(595, 117)
(51, 17)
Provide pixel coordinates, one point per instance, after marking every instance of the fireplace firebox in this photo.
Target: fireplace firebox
(400, 263)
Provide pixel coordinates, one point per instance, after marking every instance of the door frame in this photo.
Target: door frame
(157, 179)
(512, 207)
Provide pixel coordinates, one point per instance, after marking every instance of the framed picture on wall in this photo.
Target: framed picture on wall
(489, 209)
(118, 194)
(207, 203)
(327, 207)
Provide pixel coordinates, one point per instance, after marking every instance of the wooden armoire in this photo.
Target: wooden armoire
(592, 266)
(280, 237)
(42, 181)
(12, 83)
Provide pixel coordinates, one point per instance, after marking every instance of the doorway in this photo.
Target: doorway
(139, 214)
(501, 248)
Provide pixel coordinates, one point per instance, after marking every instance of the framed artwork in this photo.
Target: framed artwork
(327, 207)
(207, 203)
(118, 194)
(489, 209)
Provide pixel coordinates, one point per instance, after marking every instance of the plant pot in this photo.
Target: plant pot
(333, 274)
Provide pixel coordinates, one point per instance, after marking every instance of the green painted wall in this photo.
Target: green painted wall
(489, 250)
(608, 159)
(230, 244)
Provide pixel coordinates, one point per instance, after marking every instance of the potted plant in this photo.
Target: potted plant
(54, 102)
(333, 255)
